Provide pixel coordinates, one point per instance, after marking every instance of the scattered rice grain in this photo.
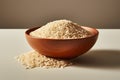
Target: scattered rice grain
(33, 59)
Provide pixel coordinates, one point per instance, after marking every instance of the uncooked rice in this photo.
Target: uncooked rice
(60, 29)
(34, 59)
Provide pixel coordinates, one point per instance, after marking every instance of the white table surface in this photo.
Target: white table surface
(102, 62)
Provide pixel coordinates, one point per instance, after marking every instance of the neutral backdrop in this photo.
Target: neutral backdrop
(30, 13)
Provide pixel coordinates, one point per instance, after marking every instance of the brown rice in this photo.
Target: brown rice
(60, 29)
(33, 59)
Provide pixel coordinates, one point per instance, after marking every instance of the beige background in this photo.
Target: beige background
(29, 13)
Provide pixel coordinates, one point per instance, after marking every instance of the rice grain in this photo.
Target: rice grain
(60, 29)
(34, 59)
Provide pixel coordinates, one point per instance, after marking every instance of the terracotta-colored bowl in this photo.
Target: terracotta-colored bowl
(62, 48)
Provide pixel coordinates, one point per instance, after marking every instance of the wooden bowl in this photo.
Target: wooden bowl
(62, 48)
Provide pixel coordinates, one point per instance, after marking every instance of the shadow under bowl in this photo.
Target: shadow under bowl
(62, 48)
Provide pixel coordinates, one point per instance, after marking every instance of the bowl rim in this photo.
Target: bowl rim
(27, 33)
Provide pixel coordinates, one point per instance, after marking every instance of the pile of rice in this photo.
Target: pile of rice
(33, 59)
(60, 29)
